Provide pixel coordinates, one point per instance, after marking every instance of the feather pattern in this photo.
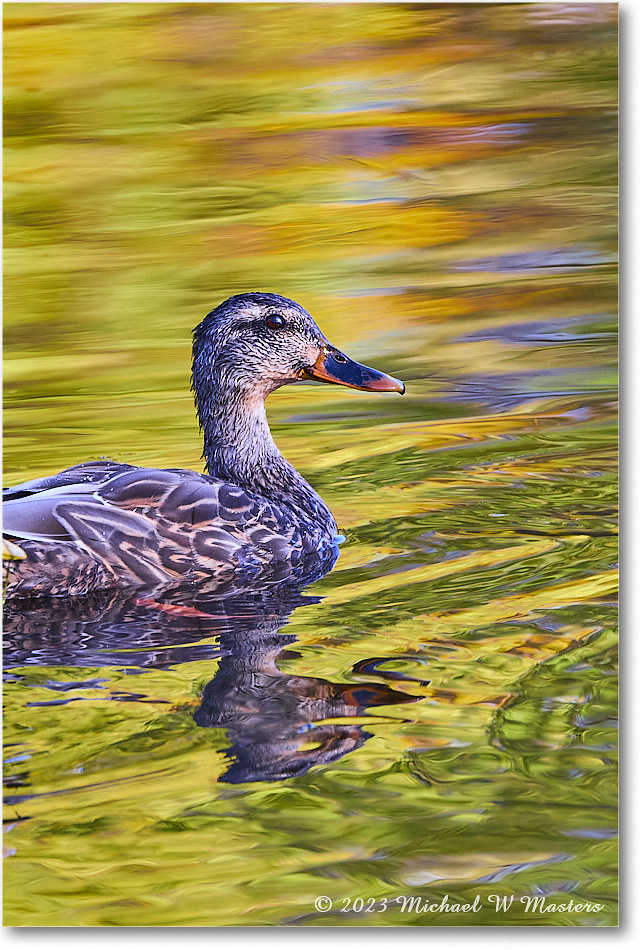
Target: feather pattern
(147, 527)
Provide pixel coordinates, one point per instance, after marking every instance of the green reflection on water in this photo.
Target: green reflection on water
(437, 186)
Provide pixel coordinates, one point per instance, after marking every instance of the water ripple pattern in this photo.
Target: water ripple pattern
(435, 717)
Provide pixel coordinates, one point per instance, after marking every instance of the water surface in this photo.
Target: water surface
(436, 715)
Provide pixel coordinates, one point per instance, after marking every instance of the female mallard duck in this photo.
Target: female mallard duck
(104, 524)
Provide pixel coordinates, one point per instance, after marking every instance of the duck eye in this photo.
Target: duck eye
(275, 321)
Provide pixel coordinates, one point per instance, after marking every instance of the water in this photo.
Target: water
(436, 715)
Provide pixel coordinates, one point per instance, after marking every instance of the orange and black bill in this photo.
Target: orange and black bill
(334, 367)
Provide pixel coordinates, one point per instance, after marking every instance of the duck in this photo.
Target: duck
(104, 524)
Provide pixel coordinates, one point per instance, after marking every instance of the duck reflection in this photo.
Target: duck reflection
(279, 725)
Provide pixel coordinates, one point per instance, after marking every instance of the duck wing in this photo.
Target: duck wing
(141, 527)
(87, 473)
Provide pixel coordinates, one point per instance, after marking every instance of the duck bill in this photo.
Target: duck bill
(333, 366)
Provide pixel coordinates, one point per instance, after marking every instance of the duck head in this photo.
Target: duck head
(254, 343)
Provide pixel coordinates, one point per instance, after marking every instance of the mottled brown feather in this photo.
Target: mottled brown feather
(149, 527)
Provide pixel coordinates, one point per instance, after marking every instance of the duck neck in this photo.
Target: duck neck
(238, 447)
